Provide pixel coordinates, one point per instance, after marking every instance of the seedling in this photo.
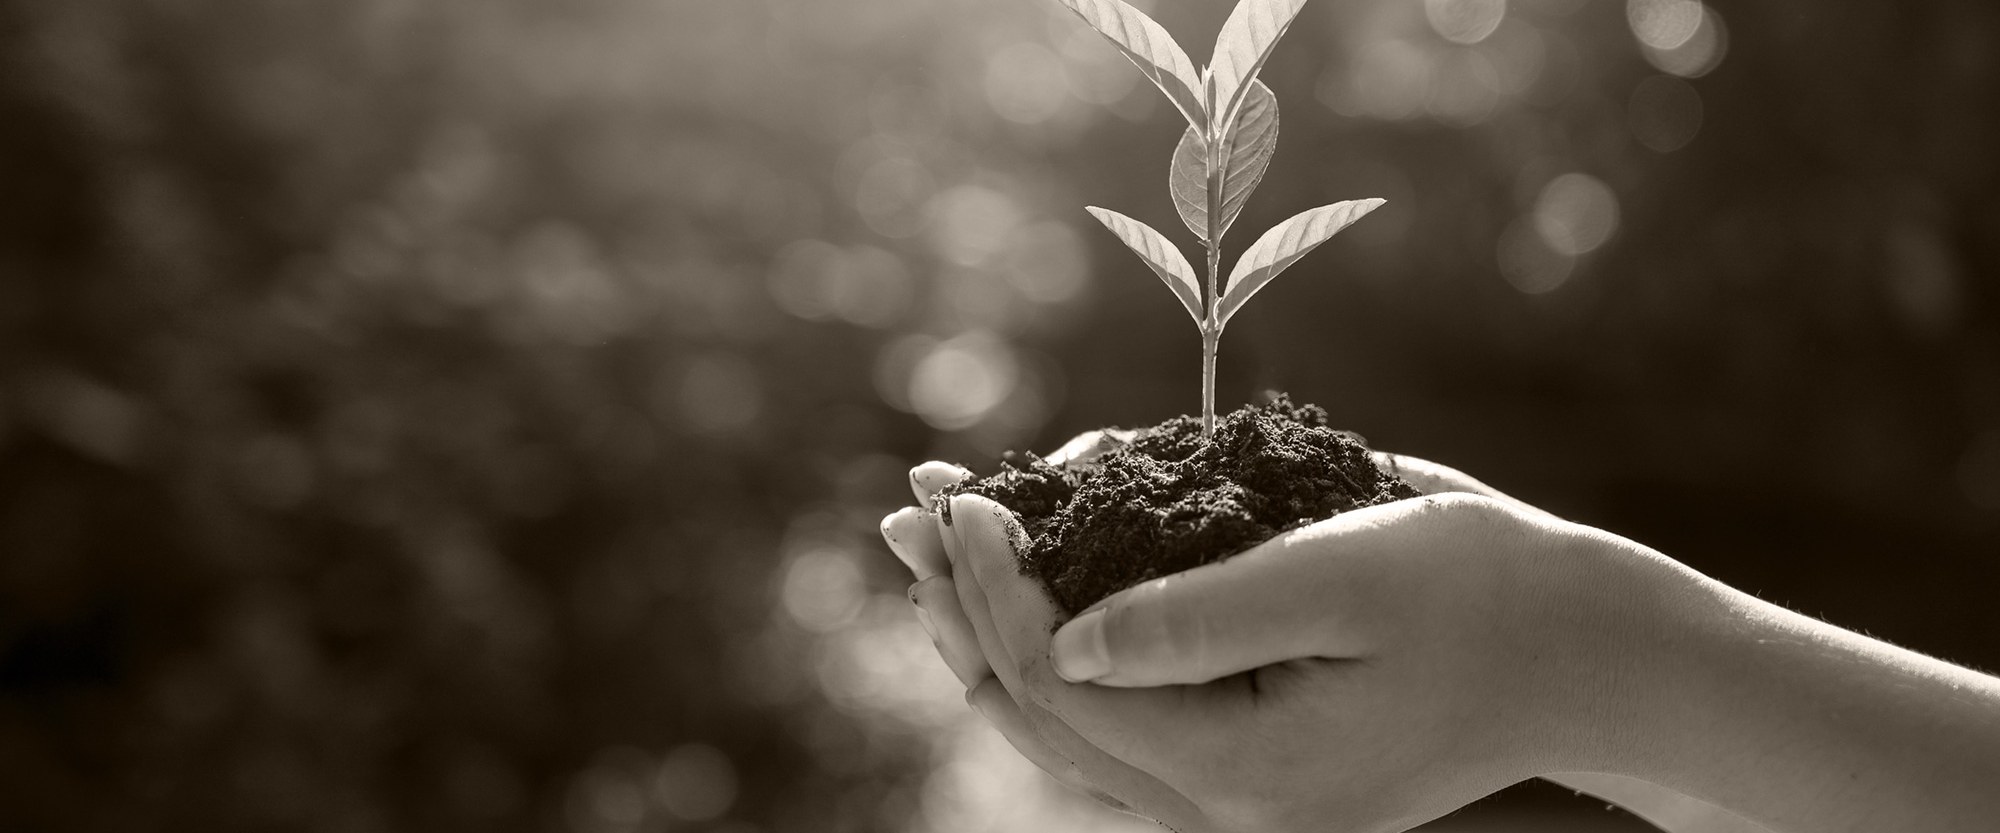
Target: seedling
(1232, 133)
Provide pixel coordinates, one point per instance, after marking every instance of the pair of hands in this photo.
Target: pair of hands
(1369, 672)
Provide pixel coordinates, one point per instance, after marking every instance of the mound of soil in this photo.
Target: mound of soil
(1161, 500)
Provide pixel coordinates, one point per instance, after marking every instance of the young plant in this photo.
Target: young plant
(1232, 132)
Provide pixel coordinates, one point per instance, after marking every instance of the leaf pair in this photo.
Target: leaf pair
(1244, 155)
(1247, 38)
(1231, 136)
(1278, 249)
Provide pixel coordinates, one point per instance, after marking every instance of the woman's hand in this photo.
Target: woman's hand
(917, 537)
(1378, 670)
(913, 534)
(1385, 667)
(1381, 668)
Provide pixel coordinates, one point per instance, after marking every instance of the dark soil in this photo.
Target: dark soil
(1164, 501)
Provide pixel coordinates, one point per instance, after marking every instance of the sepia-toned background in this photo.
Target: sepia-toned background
(475, 414)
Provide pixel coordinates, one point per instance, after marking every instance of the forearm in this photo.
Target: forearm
(1805, 727)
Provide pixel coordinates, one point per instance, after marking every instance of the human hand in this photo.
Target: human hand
(1605, 666)
(917, 536)
(1231, 753)
(1666, 809)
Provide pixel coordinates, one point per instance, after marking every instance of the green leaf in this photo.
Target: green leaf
(1282, 246)
(1166, 261)
(1151, 49)
(1247, 38)
(1246, 156)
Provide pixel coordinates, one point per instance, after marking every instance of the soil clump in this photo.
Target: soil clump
(1160, 500)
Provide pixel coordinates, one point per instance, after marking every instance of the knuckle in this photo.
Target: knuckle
(1126, 621)
(1147, 628)
(1183, 637)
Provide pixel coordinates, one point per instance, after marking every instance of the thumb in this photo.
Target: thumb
(1288, 598)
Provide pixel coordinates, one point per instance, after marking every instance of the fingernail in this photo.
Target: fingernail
(930, 627)
(1078, 649)
(980, 522)
(963, 513)
(895, 544)
(894, 528)
(958, 514)
(978, 706)
(926, 479)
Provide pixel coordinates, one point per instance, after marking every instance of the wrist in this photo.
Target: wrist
(1631, 623)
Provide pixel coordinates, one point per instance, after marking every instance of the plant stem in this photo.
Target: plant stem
(1211, 334)
(1211, 329)
(1209, 339)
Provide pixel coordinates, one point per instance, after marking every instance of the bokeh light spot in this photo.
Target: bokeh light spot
(1047, 262)
(1025, 83)
(696, 782)
(1389, 80)
(1527, 262)
(1465, 21)
(605, 798)
(1466, 90)
(1664, 24)
(891, 196)
(1576, 214)
(868, 287)
(794, 278)
(882, 663)
(823, 589)
(895, 364)
(1519, 55)
(971, 223)
(863, 285)
(1698, 54)
(1097, 73)
(1664, 113)
(961, 380)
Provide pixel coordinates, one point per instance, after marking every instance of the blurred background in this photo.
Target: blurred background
(475, 414)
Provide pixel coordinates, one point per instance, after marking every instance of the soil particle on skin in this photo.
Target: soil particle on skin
(1166, 501)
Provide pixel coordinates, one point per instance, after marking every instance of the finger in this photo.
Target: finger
(1089, 446)
(1292, 597)
(1432, 478)
(1128, 783)
(1059, 751)
(1146, 727)
(991, 700)
(913, 538)
(1123, 786)
(951, 531)
(927, 479)
(939, 610)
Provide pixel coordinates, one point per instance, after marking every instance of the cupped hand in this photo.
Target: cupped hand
(948, 610)
(1369, 672)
